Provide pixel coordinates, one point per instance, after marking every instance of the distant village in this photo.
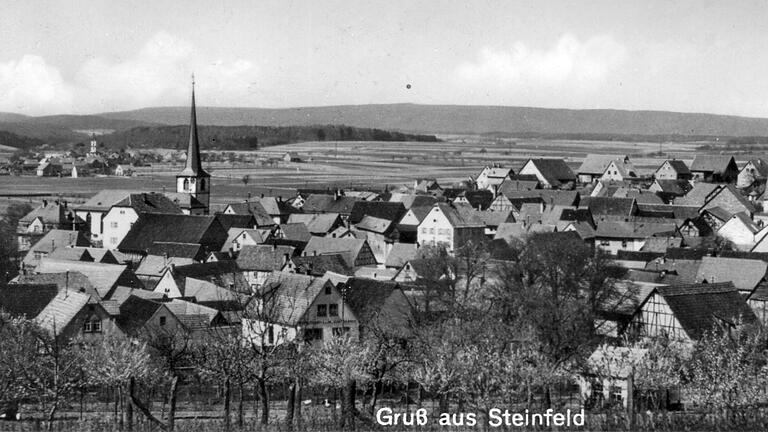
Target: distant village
(693, 238)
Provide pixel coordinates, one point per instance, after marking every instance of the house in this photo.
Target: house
(104, 278)
(380, 235)
(729, 198)
(478, 200)
(754, 171)
(619, 170)
(551, 173)
(605, 377)
(318, 224)
(408, 225)
(687, 312)
(150, 228)
(413, 200)
(291, 306)
(66, 314)
(714, 168)
(615, 236)
(123, 171)
(152, 268)
(123, 214)
(260, 214)
(668, 190)
(52, 240)
(336, 203)
(451, 226)
(741, 231)
(49, 168)
(177, 285)
(400, 254)
(603, 208)
(259, 261)
(380, 307)
(491, 177)
(237, 238)
(392, 211)
(291, 157)
(426, 185)
(672, 169)
(594, 165)
(48, 216)
(293, 231)
(93, 211)
(149, 318)
(319, 265)
(356, 252)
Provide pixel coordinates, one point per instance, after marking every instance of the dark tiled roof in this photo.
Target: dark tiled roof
(674, 187)
(701, 307)
(135, 312)
(481, 199)
(179, 250)
(264, 258)
(73, 280)
(392, 211)
(638, 256)
(555, 171)
(679, 166)
(318, 265)
(151, 228)
(374, 303)
(25, 299)
(602, 206)
(710, 163)
(149, 203)
(227, 221)
(295, 231)
(317, 203)
(595, 164)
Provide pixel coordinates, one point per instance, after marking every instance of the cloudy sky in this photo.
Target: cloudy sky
(95, 56)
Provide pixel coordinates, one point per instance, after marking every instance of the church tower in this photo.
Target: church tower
(94, 144)
(193, 180)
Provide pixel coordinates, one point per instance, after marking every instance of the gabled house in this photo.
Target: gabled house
(492, 176)
(673, 169)
(392, 211)
(426, 185)
(336, 203)
(257, 262)
(260, 214)
(356, 252)
(380, 307)
(741, 231)
(187, 229)
(121, 217)
(604, 208)
(687, 312)
(615, 236)
(745, 274)
(320, 224)
(551, 173)
(104, 278)
(93, 211)
(291, 306)
(619, 170)
(714, 168)
(451, 226)
(53, 239)
(319, 265)
(46, 217)
(668, 190)
(729, 198)
(754, 171)
(594, 165)
(408, 225)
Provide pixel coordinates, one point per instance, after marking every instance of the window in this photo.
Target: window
(162, 321)
(92, 325)
(113, 240)
(624, 243)
(313, 334)
(333, 310)
(605, 243)
(431, 230)
(87, 326)
(113, 224)
(122, 212)
(322, 310)
(327, 290)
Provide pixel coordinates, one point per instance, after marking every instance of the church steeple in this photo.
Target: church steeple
(193, 180)
(193, 165)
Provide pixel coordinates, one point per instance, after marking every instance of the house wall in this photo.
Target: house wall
(655, 319)
(436, 229)
(91, 312)
(728, 201)
(747, 175)
(167, 285)
(738, 234)
(365, 257)
(117, 222)
(612, 172)
(501, 203)
(96, 227)
(613, 246)
(760, 308)
(530, 169)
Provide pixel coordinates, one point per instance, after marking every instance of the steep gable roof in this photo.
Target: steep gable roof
(265, 258)
(595, 164)
(151, 228)
(320, 203)
(286, 297)
(348, 247)
(554, 171)
(68, 281)
(295, 231)
(391, 211)
(149, 203)
(711, 163)
(603, 206)
(104, 200)
(26, 299)
(192, 251)
(701, 307)
(103, 277)
(745, 274)
(60, 311)
(318, 224)
(319, 265)
(400, 254)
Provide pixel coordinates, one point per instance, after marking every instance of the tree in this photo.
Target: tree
(340, 363)
(556, 291)
(9, 246)
(18, 339)
(246, 178)
(119, 363)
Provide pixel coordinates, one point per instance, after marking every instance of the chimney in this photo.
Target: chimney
(262, 194)
(274, 246)
(314, 253)
(45, 203)
(285, 258)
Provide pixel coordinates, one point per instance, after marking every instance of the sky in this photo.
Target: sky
(98, 56)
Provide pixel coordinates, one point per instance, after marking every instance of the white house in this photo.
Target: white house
(492, 176)
(619, 171)
(451, 226)
(121, 217)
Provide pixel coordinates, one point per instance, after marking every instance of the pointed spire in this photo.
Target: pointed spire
(193, 165)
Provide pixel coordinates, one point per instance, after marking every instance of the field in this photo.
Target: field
(348, 163)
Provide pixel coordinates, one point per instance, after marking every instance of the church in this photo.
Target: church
(193, 184)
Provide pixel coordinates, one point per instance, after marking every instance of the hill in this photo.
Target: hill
(247, 137)
(466, 119)
(8, 139)
(63, 128)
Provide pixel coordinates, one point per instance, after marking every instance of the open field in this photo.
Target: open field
(351, 163)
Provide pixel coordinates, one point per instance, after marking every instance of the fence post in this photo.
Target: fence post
(631, 400)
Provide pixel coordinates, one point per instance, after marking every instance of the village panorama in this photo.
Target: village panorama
(609, 291)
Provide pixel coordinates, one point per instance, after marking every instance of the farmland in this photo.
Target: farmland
(347, 163)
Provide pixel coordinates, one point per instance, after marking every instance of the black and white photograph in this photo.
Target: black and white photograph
(383, 216)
